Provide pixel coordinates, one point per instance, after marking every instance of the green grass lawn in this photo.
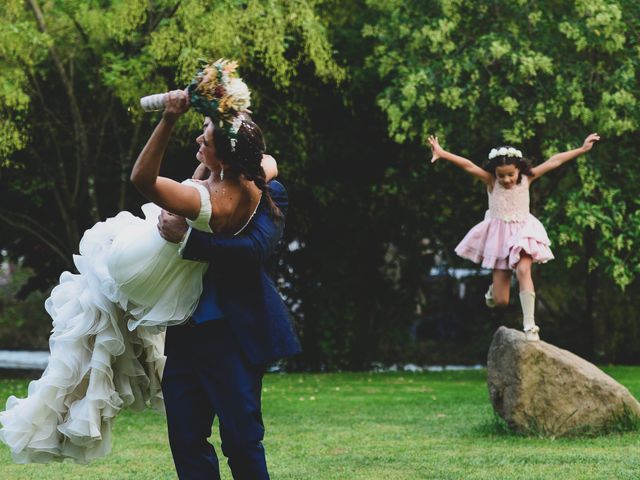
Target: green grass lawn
(369, 426)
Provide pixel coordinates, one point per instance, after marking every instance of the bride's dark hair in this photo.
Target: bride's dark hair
(246, 158)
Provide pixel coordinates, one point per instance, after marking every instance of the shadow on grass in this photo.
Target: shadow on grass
(625, 421)
(495, 426)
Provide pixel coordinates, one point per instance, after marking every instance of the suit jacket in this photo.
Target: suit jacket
(238, 286)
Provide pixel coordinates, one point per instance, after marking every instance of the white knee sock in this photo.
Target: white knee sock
(528, 303)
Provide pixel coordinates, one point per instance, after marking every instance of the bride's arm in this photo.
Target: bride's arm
(201, 172)
(170, 195)
(270, 167)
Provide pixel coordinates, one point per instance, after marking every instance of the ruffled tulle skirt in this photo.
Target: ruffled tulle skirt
(497, 244)
(107, 341)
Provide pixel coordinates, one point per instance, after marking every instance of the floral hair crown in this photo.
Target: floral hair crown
(504, 152)
(217, 92)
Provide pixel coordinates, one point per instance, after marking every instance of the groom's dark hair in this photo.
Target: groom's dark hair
(246, 157)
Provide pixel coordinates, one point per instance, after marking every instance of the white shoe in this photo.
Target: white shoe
(531, 333)
(488, 297)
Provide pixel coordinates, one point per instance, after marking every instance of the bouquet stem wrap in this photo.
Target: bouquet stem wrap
(152, 103)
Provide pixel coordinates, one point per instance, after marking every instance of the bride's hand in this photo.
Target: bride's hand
(176, 103)
(171, 227)
(270, 167)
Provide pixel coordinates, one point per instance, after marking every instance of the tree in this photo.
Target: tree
(346, 93)
(73, 72)
(541, 75)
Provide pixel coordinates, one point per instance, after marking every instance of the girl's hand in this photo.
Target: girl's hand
(589, 141)
(176, 103)
(435, 148)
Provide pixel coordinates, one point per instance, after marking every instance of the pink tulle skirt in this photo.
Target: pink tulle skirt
(497, 244)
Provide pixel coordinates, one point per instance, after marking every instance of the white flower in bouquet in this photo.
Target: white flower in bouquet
(239, 93)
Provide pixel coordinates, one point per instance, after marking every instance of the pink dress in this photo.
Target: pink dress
(508, 230)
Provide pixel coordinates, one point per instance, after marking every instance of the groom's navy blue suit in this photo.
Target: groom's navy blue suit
(215, 366)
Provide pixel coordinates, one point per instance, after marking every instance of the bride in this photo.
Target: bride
(109, 319)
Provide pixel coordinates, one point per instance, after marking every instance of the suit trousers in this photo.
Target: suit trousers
(206, 374)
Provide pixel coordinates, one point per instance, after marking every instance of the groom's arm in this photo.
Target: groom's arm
(252, 246)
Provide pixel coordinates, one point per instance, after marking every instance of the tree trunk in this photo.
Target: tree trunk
(592, 324)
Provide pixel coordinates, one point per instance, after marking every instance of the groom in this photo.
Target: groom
(215, 364)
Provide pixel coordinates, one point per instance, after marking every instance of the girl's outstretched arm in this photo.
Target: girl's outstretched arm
(464, 163)
(560, 158)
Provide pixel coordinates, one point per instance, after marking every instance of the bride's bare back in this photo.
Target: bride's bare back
(233, 203)
(234, 200)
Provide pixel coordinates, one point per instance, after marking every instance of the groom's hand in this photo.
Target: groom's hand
(171, 227)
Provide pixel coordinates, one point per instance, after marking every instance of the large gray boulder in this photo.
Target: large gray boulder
(541, 389)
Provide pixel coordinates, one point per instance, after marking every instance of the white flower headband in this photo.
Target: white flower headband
(233, 132)
(504, 152)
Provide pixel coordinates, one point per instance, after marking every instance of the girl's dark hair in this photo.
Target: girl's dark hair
(246, 158)
(522, 164)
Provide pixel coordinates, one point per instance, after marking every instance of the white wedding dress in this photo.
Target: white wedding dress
(108, 337)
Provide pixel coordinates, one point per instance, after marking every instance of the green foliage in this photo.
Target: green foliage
(75, 128)
(72, 73)
(141, 47)
(137, 44)
(602, 209)
(540, 74)
(22, 47)
(346, 93)
(24, 324)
